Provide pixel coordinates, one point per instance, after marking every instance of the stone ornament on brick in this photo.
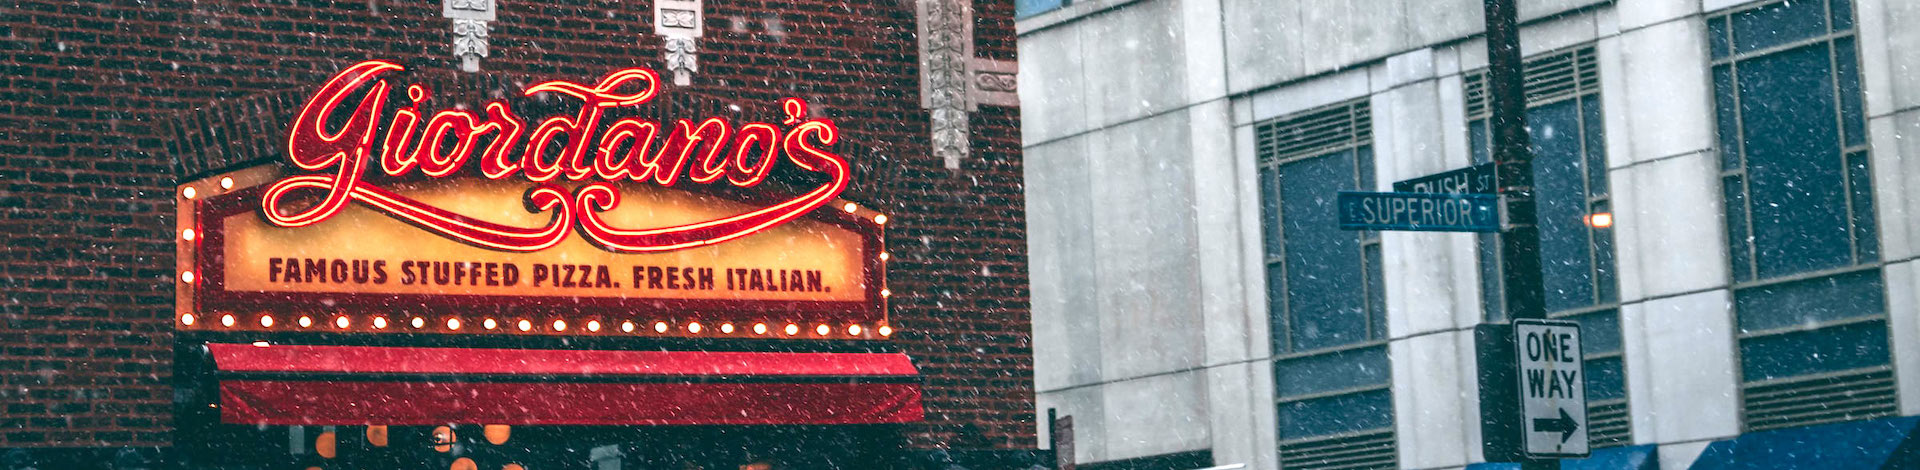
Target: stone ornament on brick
(946, 45)
(470, 19)
(679, 22)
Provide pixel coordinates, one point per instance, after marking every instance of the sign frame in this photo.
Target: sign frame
(1476, 179)
(1482, 211)
(206, 295)
(1537, 427)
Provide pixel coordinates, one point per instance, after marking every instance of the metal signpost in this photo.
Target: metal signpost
(1532, 383)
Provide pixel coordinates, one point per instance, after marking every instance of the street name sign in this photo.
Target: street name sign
(1553, 392)
(1421, 212)
(1477, 179)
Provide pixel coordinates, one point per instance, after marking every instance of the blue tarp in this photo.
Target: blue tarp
(1876, 444)
(1612, 458)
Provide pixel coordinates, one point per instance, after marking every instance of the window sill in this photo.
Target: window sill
(1066, 14)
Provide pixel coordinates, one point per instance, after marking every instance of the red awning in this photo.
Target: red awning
(347, 385)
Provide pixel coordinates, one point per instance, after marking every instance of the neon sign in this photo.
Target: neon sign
(569, 147)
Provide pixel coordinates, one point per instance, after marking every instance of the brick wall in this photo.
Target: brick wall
(105, 107)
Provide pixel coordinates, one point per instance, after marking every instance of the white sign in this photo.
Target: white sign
(1553, 392)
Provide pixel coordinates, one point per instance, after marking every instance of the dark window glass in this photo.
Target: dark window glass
(1860, 180)
(1778, 24)
(1492, 286)
(1336, 414)
(1842, 15)
(1852, 118)
(1603, 258)
(1810, 302)
(1726, 118)
(1596, 144)
(1376, 294)
(1277, 305)
(1717, 41)
(1477, 142)
(1794, 173)
(1738, 239)
(1599, 331)
(1325, 286)
(1026, 8)
(1323, 263)
(1831, 349)
(1570, 184)
(1559, 181)
(1606, 379)
(1330, 372)
(1270, 211)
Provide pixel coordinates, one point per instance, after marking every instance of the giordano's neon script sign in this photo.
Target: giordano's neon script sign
(574, 147)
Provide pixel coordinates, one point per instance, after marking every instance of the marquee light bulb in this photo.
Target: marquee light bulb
(341, 322)
(593, 325)
(379, 322)
(186, 276)
(759, 328)
(418, 322)
(823, 329)
(266, 321)
(226, 182)
(626, 326)
(559, 325)
(693, 327)
(884, 256)
(188, 192)
(186, 234)
(853, 330)
(226, 321)
(886, 330)
(886, 292)
(851, 207)
(186, 319)
(880, 219)
(453, 323)
(793, 329)
(489, 323)
(726, 328)
(306, 321)
(525, 325)
(659, 327)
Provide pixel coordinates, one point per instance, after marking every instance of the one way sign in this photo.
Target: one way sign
(1553, 392)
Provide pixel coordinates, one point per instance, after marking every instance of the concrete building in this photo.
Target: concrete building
(1195, 305)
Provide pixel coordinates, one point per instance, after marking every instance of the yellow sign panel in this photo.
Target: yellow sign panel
(822, 269)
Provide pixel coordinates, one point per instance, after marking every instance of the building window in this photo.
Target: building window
(1026, 8)
(1324, 293)
(1809, 300)
(1576, 248)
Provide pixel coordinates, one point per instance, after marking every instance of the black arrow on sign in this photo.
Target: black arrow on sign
(1565, 425)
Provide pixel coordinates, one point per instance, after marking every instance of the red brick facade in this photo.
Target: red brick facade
(105, 107)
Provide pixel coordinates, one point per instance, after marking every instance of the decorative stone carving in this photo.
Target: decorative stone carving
(994, 83)
(470, 18)
(679, 22)
(946, 47)
(682, 59)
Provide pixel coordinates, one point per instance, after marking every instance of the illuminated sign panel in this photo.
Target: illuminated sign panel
(581, 224)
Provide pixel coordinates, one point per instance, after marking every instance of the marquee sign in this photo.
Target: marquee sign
(390, 218)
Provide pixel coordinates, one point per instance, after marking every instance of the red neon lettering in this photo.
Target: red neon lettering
(558, 146)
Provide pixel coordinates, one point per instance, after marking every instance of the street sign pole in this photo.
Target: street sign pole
(1520, 236)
